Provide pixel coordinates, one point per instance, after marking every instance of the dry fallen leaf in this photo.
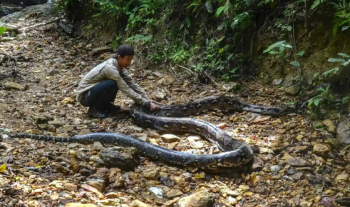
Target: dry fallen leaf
(2, 168)
(67, 100)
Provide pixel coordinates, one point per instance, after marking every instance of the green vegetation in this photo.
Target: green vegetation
(217, 36)
(2, 30)
(199, 34)
(324, 98)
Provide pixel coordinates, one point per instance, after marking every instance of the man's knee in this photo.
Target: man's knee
(111, 85)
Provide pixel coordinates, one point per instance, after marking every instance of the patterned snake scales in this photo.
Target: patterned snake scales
(169, 118)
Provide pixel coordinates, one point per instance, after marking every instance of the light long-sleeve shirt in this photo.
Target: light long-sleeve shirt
(109, 70)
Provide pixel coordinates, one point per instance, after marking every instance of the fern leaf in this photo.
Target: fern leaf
(220, 10)
(330, 72)
(336, 60)
(317, 3)
(271, 47)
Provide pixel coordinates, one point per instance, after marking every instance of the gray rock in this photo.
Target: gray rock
(259, 189)
(297, 176)
(277, 82)
(188, 175)
(122, 158)
(158, 192)
(330, 125)
(62, 169)
(99, 184)
(39, 119)
(38, 89)
(292, 90)
(258, 164)
(140, 136)
(167, 181)
(70, 187)
(116, 178)
(53, 72)
(7, 159)
(170, 138)
(151, 173)
(166, 80)
(334, 143)
(199, 199)
(321, 150)
(275, 168)
(343, 133)
(4, 136)
(13, 85)
(84, 131)
(300, 149)
(97, 146)
(56, 123)
(174, 193)
(135, 129)
(297, 161)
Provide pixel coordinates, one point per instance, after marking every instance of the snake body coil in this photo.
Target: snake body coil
(175, 118)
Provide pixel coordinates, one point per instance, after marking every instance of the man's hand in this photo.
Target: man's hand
(154, 106)
(158, 103)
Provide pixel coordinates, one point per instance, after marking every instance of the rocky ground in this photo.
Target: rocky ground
(299, 161)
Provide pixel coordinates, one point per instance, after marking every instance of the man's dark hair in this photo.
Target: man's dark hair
(125, 50)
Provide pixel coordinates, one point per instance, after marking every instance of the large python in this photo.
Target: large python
(235, 155)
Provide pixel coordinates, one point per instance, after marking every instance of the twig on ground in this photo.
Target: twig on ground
(211, 79)
(189, 70)
(171, 68)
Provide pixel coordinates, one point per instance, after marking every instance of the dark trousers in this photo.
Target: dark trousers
(101, 95)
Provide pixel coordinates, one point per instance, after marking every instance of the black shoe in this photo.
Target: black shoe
(96, 113)
(113, 108)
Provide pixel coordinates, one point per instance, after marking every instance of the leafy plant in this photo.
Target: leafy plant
(230, 74)
(180, 55)
(116, 42)
(2, 30)
(342, 15)
(139, 38)
(278, 50)
(345, 100)
(316, 3)
(217, 59)
(325, 97)
(345, 61)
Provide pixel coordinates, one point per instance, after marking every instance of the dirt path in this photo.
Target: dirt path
(38, 97)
